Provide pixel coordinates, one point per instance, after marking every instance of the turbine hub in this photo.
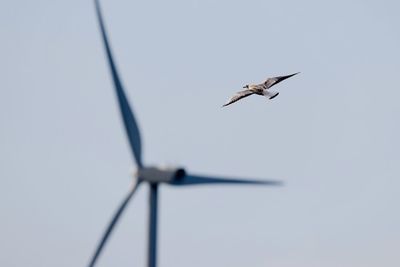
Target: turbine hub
(160, 175)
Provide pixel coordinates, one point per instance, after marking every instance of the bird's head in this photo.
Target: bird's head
(246, 86)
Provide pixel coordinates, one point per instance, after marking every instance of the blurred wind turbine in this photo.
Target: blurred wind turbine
(151, 175)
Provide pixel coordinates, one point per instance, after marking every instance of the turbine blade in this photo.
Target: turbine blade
(130, 123)
(113, 222)
(200, 180)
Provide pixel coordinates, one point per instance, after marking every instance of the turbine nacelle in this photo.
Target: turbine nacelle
(160, 174)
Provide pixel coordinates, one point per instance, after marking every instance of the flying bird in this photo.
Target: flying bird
(259, 89)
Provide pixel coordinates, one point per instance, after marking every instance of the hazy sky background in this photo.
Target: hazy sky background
(332, 135)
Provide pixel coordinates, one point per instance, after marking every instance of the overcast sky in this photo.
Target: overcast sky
(332, 135)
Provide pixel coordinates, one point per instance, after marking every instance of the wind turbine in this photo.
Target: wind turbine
(152, 175)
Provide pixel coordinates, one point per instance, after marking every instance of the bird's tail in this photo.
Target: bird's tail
(270, 94)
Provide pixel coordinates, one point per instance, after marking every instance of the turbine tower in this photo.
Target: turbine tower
(152, 175)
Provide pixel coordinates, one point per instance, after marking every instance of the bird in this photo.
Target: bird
(259, 89)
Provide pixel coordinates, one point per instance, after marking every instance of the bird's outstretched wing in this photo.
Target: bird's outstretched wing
(238, 96)
(272, 81)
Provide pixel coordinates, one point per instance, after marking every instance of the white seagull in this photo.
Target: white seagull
(259, 89)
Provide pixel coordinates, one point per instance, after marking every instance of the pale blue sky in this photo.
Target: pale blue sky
(331, 135)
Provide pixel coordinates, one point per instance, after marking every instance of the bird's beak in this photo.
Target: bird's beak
(244, 86)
